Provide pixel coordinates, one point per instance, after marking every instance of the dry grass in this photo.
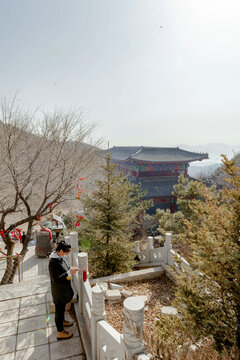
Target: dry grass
(160, 292)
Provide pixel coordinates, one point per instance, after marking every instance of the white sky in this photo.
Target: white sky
(148, 72)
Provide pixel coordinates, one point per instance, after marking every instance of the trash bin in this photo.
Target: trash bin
(43, 246)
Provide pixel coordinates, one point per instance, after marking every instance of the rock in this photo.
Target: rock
(115, 286)
(169, 310)
(146, 308)
(126, 293)
(113, 295)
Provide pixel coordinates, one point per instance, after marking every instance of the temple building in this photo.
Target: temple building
(156, 168)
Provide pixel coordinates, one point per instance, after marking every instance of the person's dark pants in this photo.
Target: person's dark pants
(59, 316)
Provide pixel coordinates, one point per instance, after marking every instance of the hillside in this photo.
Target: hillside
(219, 175)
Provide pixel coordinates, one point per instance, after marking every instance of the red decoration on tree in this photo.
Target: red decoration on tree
(16, 234)
(78, 221)
(80, 192)
(51, 205)
(2, 233)
(39, 218)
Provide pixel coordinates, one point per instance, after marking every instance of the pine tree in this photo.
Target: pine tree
(209, 299)
(186, 191)
(111, 211)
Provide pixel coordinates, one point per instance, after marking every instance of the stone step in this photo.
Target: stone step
(25, 288)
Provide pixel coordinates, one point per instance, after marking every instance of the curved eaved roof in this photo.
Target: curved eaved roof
(155, 154)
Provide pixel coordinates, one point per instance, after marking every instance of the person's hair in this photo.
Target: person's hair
(63, 246)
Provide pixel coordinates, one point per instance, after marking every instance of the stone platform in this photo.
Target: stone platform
(27, 329)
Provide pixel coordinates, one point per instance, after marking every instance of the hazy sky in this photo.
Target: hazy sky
(148, 72)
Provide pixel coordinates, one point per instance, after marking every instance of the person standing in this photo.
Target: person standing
(62, 292)
(23, 237)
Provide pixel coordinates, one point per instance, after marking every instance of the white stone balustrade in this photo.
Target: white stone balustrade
(133, 325)
(168, 247)
(109, 342)
(74, 241)
(150, 243)
(106, 342)
(154, 255)
(82, 264)
(98, 313)
(69, 257)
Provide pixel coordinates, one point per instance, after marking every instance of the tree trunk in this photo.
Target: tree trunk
(23, 252)
(7, 274)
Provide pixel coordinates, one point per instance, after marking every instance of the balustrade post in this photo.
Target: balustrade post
(168, 248)
(133, 323)
(69, 256)
(98, 313)
(74, 245)
(82, 264)
(137, 248)
(74, 253)
(74, 240)
(150, 248)
(150, 243)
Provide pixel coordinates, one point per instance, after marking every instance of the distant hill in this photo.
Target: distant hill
(219, 175)
(202, 171)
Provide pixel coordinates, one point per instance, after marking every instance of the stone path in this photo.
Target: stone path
(27, 329)
(31, 266)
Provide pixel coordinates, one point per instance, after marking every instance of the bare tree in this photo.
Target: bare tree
(41, 158)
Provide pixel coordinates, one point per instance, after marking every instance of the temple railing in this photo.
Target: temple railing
(106, 343)
(155, 255)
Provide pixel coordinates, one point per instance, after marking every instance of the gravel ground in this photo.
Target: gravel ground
(160, 293)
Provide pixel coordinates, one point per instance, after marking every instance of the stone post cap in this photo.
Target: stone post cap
(168, 238)
(150, 238)
(82, 255)
(73, 233)
(97, 290)
(134, 304)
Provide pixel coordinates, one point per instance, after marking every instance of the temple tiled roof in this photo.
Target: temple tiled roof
(155, 154)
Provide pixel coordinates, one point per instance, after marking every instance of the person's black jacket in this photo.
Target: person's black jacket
(62, 291)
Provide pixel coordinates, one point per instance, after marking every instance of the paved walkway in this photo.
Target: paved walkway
(27, 329)
(30, 268)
